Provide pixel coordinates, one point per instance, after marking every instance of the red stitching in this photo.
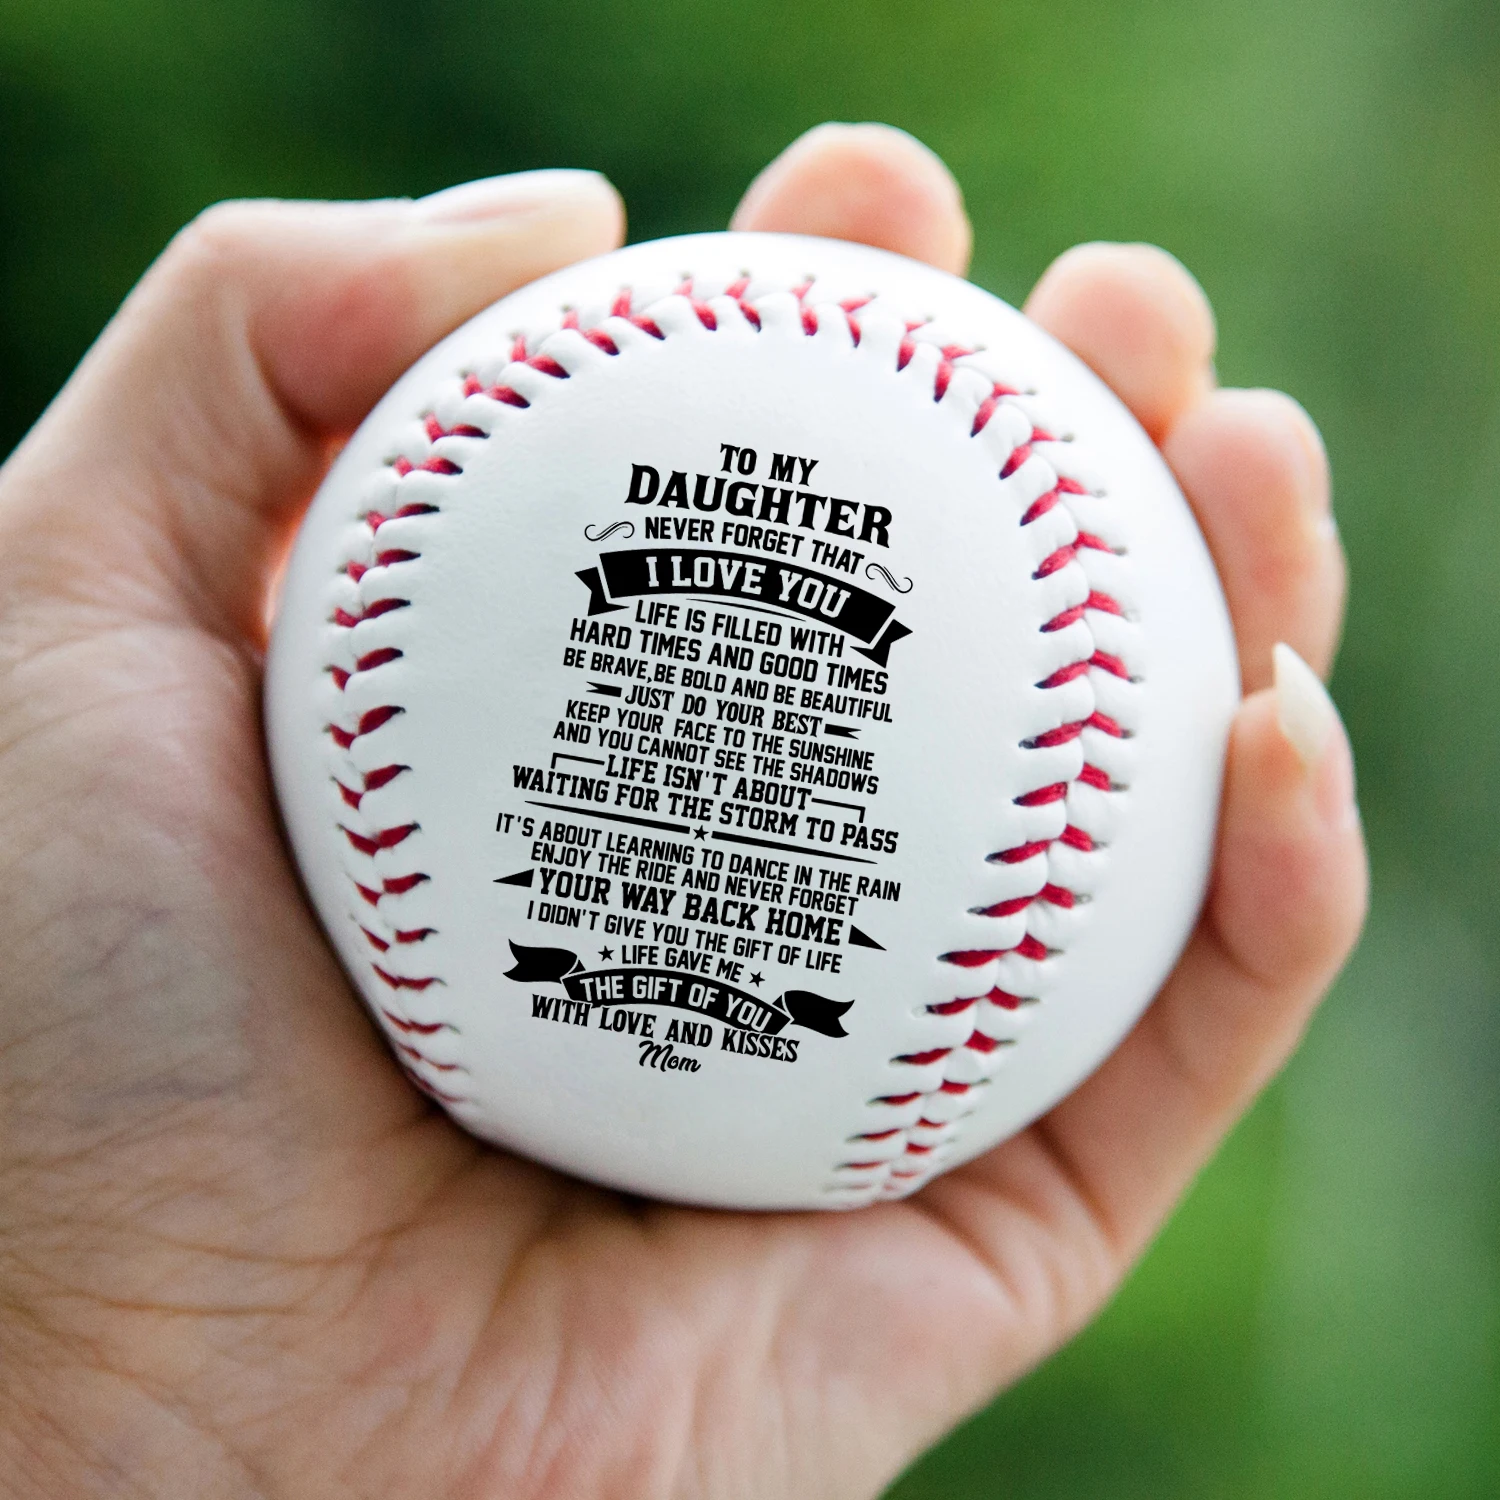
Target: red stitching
(403, 981)
(436, 430)
(1044, 503)
(1020, 853)
(422, 1057)
(851, 306)
(416, 935)
(1064, 734)
(407, 1026)
(431, 1089)
(1059, 559)
(1030, 947)
(1043, 795)
(431, 466)
(921, 1059)
(371, 611)
(381, 841)
(1004, 908)
(385, 838)
(989, 406)
(953, 1007)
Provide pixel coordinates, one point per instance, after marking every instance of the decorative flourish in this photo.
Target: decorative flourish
(875, 569)
(605, 532)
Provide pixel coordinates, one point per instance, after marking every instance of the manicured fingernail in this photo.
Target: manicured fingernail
(1304, 711)
(514, 194)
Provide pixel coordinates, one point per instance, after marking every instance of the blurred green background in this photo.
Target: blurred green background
(1321, 1317)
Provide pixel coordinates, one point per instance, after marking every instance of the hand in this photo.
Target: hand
(239, 1255)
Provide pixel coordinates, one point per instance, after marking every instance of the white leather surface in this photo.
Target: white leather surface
(487, 570)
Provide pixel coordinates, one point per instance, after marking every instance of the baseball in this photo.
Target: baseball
(749, 712)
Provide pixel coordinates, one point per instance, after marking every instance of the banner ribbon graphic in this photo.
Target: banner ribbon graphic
(686, 572)
(695, 993)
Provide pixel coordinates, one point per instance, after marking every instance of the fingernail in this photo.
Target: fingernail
(1304, 711)
(516, 193)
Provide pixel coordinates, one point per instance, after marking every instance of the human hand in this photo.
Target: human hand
(238, 1253)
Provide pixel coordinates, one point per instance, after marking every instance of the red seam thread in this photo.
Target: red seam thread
(1030, 947)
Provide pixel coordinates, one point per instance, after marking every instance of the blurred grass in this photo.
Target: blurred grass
(1321, 1317)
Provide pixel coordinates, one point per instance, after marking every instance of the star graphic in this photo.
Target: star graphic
(757, 978)
(700, 833)
(606, 953)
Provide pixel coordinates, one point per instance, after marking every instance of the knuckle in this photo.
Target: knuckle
(1301, 567)
(1296, 561)
(224, 242)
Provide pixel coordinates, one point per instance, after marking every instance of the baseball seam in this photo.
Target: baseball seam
(914, 1125)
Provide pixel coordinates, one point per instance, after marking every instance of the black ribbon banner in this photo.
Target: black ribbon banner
(695, 993)
(727, 575)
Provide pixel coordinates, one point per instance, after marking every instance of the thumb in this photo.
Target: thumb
(163, 479)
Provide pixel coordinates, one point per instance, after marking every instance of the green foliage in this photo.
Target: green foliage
(1320, 1319)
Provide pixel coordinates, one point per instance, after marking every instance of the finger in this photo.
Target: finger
(200, 420)
(1253, 466)
(1286, 905)
(1135, 316)
(869, 183)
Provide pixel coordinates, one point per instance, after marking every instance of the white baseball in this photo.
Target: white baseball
(750, 712)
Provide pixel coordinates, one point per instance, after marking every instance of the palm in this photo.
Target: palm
(367, 1234)
(240, 1240)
